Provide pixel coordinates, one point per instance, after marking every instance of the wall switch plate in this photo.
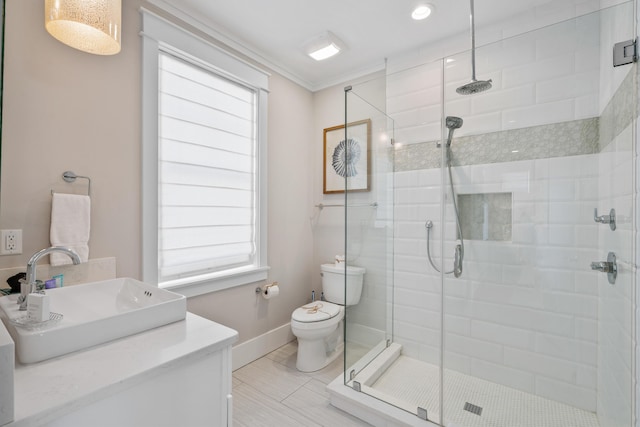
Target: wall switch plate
(10, 242)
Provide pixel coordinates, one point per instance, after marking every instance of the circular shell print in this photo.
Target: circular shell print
(345, 157)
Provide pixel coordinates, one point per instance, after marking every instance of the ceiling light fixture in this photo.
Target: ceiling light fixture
(422, 11)
(90, 26)
(323, 46)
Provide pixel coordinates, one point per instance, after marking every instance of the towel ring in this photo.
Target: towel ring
(70, 176)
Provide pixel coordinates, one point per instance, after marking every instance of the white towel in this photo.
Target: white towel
(70, 225)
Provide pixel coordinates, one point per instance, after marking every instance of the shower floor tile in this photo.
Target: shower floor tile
(416, 384)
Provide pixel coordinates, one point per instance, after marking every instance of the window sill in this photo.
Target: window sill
(200, 285)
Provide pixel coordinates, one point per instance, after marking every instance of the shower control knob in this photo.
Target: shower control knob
(606, 219)
(602, 266)
(609, 266)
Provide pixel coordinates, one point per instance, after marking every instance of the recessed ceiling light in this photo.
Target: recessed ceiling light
(323, 46)
(325, 52)
(422, 11)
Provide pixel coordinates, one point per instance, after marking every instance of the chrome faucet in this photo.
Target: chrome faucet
(30, 281)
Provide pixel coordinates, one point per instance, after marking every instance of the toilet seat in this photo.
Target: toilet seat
(316, 312)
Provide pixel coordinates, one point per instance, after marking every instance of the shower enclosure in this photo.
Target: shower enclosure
(538, 328)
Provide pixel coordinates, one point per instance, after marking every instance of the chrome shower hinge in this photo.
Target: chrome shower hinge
(422, 413)
(625, 52)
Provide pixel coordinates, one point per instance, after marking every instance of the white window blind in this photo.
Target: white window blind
(204, 162)
(206, 171)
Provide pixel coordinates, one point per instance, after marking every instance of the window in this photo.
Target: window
(204, 140)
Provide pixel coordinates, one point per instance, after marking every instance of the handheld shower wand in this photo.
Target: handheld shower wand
(452, 123)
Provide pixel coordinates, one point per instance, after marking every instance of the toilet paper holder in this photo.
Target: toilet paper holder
(263, 289)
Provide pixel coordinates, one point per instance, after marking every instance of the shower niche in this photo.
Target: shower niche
(486, 216)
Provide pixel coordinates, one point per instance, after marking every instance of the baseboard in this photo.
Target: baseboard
(248, 351)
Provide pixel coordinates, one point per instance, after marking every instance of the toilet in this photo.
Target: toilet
(318, 325)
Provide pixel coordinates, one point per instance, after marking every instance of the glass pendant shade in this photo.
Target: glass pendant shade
(89, 25)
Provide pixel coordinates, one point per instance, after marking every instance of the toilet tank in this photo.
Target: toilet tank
(333, 283)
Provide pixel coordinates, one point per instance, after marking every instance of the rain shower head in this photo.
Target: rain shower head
(475, 86)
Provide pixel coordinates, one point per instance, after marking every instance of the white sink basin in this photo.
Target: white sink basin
(93, 313)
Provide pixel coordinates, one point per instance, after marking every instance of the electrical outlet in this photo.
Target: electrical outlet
(10, 242)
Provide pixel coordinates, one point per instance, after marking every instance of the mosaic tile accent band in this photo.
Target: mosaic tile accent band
(571, 138)
(538, 142)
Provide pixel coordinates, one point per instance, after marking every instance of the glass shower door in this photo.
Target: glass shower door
(368, 168)
(402, 366)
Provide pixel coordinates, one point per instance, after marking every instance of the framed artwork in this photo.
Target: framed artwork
(347, 158)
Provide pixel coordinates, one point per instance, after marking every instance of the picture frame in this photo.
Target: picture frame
(350, 159)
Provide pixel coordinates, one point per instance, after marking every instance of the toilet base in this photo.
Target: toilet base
(314, 357)
(315, 354)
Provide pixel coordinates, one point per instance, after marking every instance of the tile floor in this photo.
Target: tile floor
(270, 392)
(417, 384)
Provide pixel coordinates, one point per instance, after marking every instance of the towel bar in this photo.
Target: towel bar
(322, 205)
(70, 176)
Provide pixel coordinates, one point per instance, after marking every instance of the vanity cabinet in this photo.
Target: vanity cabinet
(174, 375)
(7, 363)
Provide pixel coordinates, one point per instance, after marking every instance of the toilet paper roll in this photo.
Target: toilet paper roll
(271, 292)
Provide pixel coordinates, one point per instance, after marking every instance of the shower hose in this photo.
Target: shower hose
(459, 251)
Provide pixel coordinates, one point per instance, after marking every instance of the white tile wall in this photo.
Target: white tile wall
(636, 161)
(616, 27)
(615, 311)
(542, 77)
(414, 101)
(523, 310)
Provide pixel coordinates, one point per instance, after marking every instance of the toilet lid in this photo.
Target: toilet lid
(315, 312)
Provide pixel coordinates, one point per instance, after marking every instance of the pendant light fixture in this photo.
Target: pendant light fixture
(89, 25)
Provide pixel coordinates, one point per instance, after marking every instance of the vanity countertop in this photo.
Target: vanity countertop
(47, 390)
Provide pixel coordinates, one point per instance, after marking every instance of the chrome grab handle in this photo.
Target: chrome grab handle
(606, 219)
(609, 266)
